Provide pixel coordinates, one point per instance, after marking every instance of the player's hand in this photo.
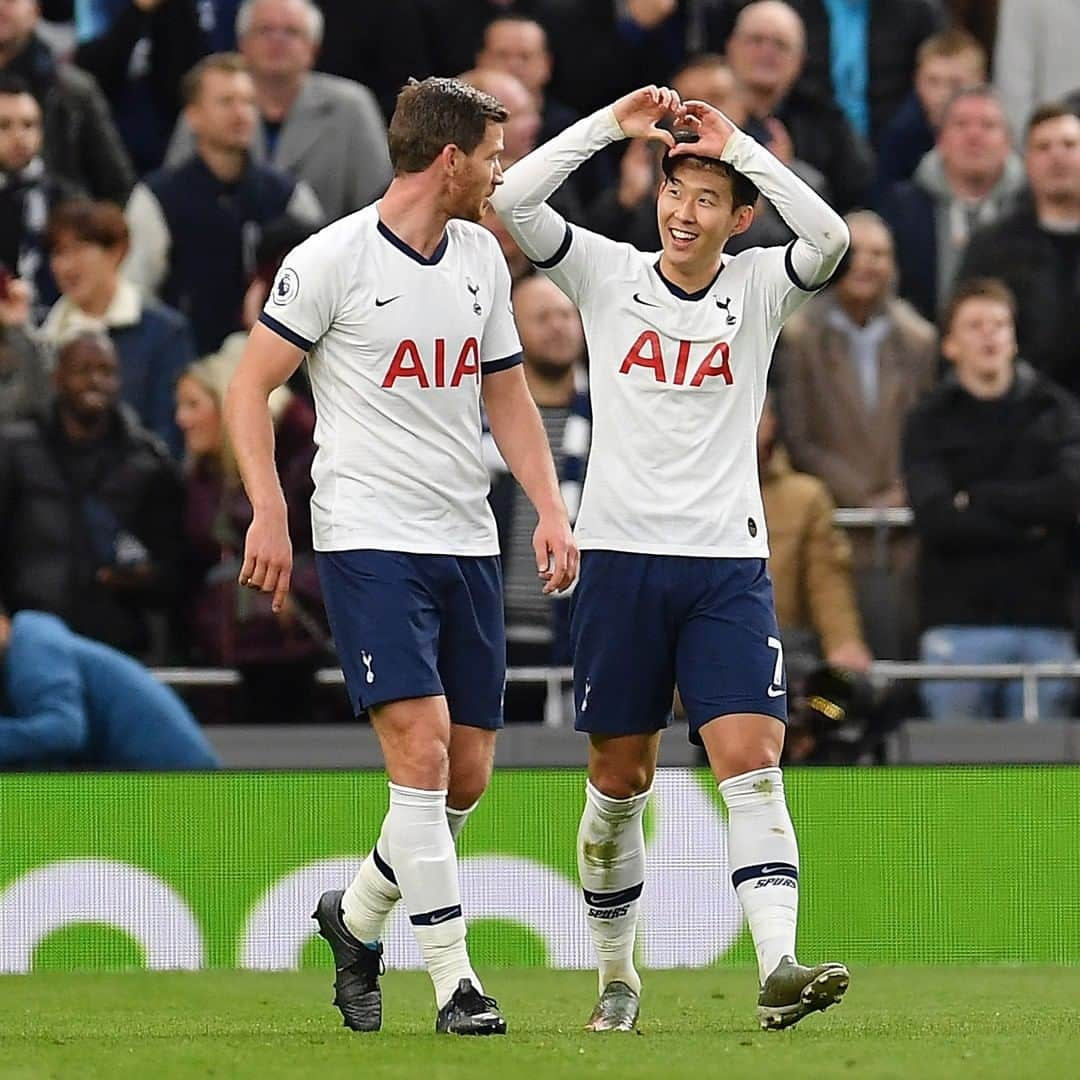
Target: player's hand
(556, 553)
(268, 556)
(712, 127)
(639, 112)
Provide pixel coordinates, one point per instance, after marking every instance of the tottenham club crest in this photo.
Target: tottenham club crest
(474, 289)
(286, 287)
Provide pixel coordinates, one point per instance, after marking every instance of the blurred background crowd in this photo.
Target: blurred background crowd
(159, 157)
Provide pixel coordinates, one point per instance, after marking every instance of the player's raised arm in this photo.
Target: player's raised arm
(822, 233)
(267, 363)
(521, 200)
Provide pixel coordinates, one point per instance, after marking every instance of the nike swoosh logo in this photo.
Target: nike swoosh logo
(443, 918)
(773, 692)
(641, 300)
(769, 871)
(383, 303)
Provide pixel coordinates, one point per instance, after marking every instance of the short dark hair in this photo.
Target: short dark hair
(436, 113)
(228, 63)
(986, 288)
(518, 17)
(704, 61)
(744, 192)
(982, 90)
(101, 223)
(955, 41)
(12, 85)
(1049, 110)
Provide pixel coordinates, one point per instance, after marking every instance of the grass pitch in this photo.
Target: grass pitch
(922, 1022)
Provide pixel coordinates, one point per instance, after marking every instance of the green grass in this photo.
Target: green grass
(922, 1022)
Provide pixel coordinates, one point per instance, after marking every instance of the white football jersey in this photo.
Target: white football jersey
(397, 345)
(677, 383)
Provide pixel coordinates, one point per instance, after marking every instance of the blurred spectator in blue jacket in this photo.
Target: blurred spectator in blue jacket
(944, 65)
(88, 241)
(67, 701)
(139, 50)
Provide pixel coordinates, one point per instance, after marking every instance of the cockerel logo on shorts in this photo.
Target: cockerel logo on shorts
(366, 658)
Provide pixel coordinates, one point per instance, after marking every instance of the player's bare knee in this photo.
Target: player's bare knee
(620, 781)
(466, 791)
(749, 757)
(426, 761)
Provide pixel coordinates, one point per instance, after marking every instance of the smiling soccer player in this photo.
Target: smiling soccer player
(674, 589)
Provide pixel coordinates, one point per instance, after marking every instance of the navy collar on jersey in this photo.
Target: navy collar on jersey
(682, 294)
(404, 248)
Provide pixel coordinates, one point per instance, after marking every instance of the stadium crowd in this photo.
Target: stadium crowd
(158, 158)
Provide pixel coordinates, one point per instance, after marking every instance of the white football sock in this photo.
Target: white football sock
(611, 864)
(764, 861)
(425, 863)
(372, 894)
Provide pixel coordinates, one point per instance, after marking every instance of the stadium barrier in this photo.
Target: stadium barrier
(933, 865)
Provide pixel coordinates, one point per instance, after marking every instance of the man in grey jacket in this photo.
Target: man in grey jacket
(320, 128)
(970, 179)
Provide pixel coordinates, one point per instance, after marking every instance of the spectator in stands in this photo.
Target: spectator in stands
(945, 64)
(627, 210)
(1036, 248)
(810, 560)
(520, 131)
(87, 243)
(861, 55)
(69, 701)
(24, 369)
(970, 179)
(139, 50)
(992, 464)
(379, 45)
(194, 226)
(851, 365)
(767, 51)
(228, 625)
(80, 142)
(553, 344)
(28, 192)
(89, 506)
(517, 44)
(1036, 56)
(319, 128)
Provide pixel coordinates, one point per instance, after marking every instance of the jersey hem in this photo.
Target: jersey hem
(491, 367)
(758, 551)
(560, 254)
(363, 542)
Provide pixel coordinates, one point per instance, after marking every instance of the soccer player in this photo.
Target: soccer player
(403, 310)
(674, 589)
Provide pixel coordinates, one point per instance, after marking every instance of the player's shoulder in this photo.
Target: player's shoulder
(472, 237)
(337, 245)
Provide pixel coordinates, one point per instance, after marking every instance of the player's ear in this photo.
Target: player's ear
(451, 158)
(744, 218)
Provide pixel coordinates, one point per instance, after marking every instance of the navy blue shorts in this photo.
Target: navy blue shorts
(410, 626)
(642, 624)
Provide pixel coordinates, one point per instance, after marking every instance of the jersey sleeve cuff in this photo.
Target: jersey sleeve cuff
(490, 367)
(560, 254)
(291, 336)
(794, 278)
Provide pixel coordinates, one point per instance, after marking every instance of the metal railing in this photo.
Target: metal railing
(557, 679)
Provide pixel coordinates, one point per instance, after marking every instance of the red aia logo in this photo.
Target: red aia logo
(647, 352)
(409, 364)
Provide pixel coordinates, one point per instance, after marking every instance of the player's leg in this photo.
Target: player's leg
(367, 902)
(611, 865)
(733, 686)
(623, 683)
